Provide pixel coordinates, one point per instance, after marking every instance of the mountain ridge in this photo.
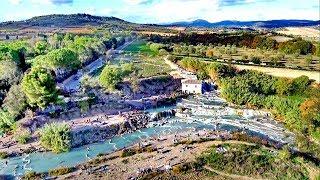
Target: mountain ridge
(81, 19)
(262, 24)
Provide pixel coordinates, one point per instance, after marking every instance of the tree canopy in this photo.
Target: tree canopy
(59, 58)
(110, 77)
(39, 87)
(56, 137)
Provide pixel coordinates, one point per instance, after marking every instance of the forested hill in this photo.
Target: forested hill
(56, 20)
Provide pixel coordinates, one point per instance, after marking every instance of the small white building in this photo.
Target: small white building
(192, 86)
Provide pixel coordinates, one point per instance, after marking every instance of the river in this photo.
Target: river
(219, 118)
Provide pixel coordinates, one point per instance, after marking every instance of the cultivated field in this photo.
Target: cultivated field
(282, 72)
(302, 31)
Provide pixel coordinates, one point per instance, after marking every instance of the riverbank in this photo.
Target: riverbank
(209, 113)
(88, 130)
(164, 152)
(177, 155)
(155, 155)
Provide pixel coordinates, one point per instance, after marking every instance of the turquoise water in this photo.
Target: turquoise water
(45, 161)
(42, 162)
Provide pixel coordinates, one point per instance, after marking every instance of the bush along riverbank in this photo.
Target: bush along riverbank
(295, 102)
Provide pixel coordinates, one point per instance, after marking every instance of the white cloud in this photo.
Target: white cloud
(182, 10)
(15, 2)
(41, 2)
(51, 2)
(135, 2)
(177, 10)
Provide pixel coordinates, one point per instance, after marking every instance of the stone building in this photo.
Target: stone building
(192, 86)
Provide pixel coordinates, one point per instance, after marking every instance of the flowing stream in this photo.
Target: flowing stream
(223, 118)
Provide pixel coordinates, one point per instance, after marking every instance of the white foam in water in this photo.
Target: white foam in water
(222, 119)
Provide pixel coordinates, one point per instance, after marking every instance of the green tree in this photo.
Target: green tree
(10, 73)
(284, 86)
(41, 47)
(8, 53)
(39, 87)
(308, 59)
(6, 121)
(59, 58)
(110, 77)
(56, 137)
(202, 75)
(15, 101)
(310, 110)
(155, 47)
(300, 84)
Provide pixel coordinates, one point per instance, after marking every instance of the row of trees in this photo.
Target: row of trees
(251, 40)
(204, 70)
(243, 55)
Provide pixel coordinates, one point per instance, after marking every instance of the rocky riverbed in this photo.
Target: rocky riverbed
(84, 131)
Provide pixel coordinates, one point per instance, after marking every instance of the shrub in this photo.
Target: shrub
(300, 84)
(3, 155)
(254, 161)
(155, 47)
(61, 171)
(56, 137)
(110, 77)
(23, 137)
(10, 73)
(31, 175)
(127, 152)
(255, 60)
(284, 86)
(310, 110)
(192, 64)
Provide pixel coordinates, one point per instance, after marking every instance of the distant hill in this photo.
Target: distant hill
(261, 24)
(58, 20)
(78, 20)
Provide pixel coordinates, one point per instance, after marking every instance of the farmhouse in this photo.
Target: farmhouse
(192, 86)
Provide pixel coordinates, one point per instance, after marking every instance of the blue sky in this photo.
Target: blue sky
(162, 11)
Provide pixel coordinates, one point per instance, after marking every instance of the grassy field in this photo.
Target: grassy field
(145, 65)
(151, 66)
(139, 46)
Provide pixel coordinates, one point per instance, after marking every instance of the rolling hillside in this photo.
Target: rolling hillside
(63, 21)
